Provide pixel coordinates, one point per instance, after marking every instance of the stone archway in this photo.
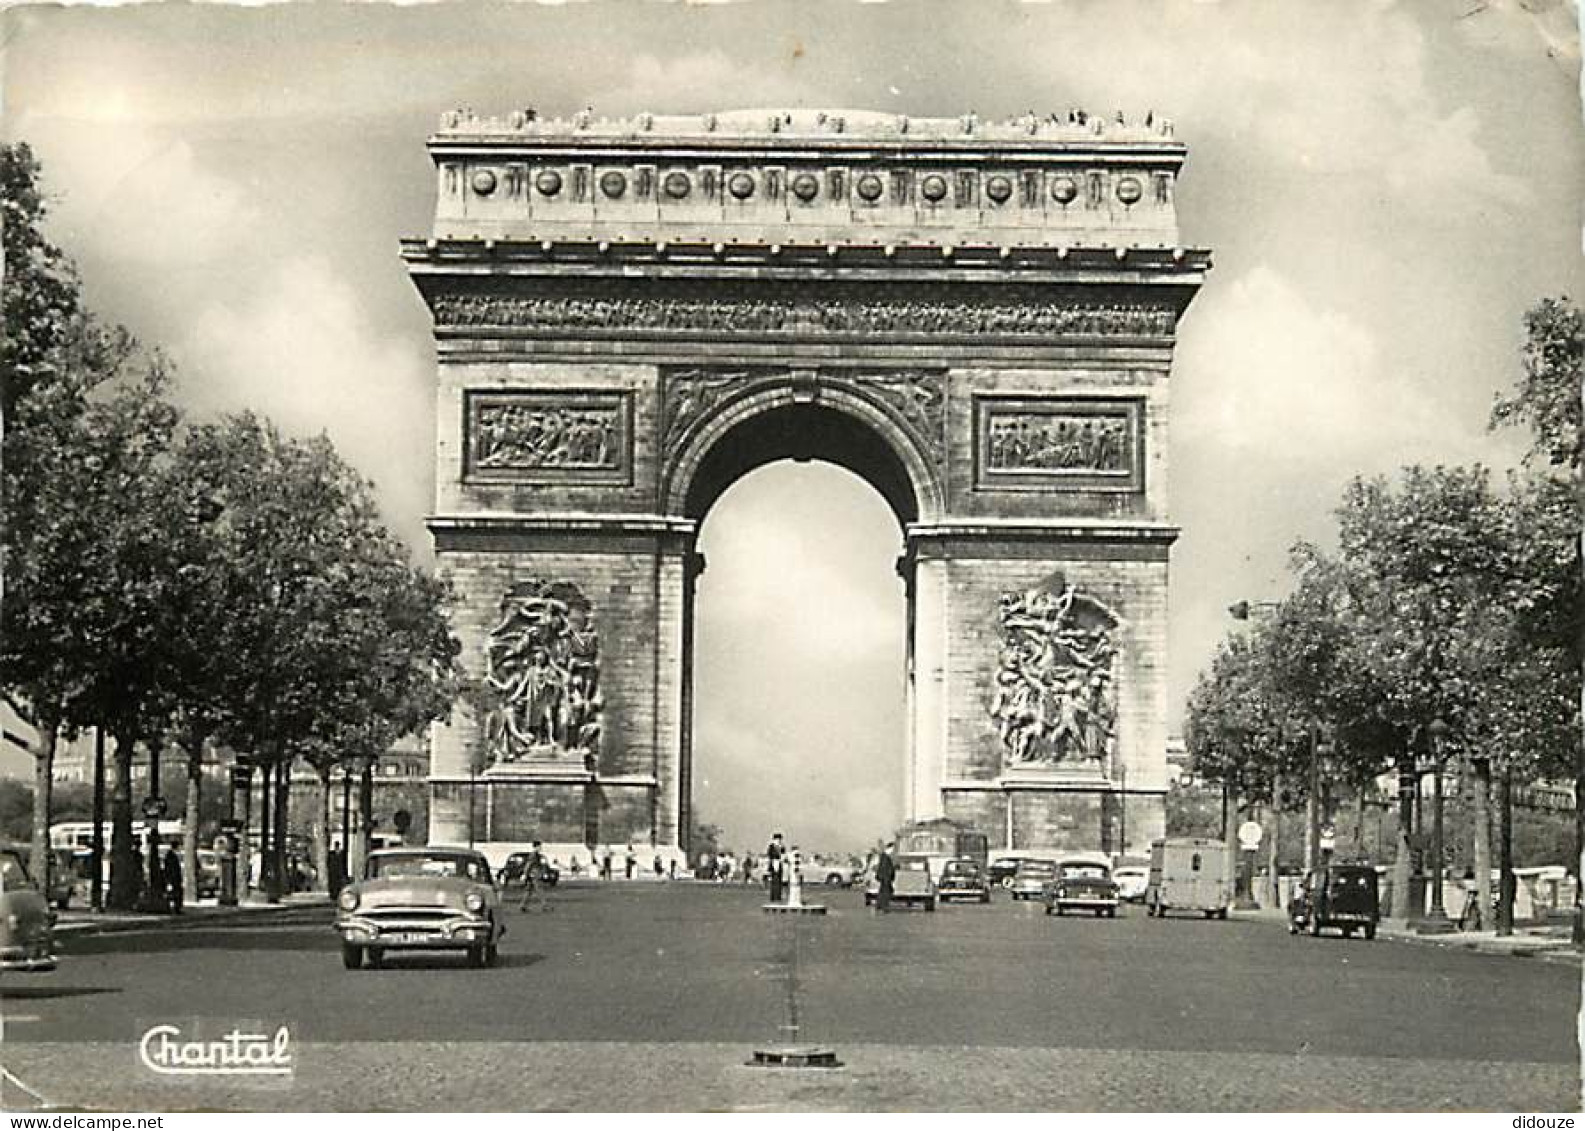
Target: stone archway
(976, 319)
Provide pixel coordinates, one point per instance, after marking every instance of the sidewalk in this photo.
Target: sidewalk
(205, 913)
(1549, 942)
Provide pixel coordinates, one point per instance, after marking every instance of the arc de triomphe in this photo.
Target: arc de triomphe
(976, 318)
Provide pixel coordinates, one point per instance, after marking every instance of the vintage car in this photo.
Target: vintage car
(512, 871)
(421, 899)
(1132, 882)
(1342, 896)
(963, 879)
(831, 873)
(912, 885)
(27, 925)
(1002, 869)
(1029, 882)
(1081, 885)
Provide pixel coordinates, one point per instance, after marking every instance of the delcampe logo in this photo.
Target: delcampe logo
(167, 1050)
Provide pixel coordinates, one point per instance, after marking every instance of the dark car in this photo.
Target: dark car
(512, 870)
(963, 879)
(1081, 885)
(1002, 870)
(1342, 896)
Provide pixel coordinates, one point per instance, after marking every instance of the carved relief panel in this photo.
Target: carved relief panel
(549, 436)
(1059, 443)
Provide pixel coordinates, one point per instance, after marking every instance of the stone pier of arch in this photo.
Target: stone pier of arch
(976, 318)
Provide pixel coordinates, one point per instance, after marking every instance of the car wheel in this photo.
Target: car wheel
(1348, 932)
(985, 896)
(476, 956)
(351, 956)
(1111, 912)
(492, 954)
(930, 905)
(1370, 931)
(1059, 910)
(1315, 927)
(1007, 882)
(833, 880)
(376, 958)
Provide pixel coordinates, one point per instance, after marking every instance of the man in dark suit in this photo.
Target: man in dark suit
(775, 860)
(885, 877)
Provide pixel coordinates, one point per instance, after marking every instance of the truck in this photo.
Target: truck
(1188, 874)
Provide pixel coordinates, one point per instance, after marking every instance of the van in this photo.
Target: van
(1188, 874)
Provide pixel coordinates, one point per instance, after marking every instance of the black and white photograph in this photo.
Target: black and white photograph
(757, 557)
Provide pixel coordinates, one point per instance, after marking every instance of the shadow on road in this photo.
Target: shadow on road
(202, 938)
(45, 993)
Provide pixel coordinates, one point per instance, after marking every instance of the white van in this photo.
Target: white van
(1188, 874)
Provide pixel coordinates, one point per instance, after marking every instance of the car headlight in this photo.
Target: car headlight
(348, 900)
(1062, 892)
(474, 901)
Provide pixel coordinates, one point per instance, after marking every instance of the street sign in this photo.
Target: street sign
(1328, 838)
(1249, 834)
(154, 808)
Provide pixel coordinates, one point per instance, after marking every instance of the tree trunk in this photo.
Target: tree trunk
(266, 832)
(322, 840)
(1481, 818)
(43, 786)
(97, 880)
(1506, 881)
(1403, 864)
(125, 879)
(365, 811)
(196, 741)
(283, 796)
(1274, 843)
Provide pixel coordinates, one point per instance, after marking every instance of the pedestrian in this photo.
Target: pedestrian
(748, 866)
(171, 872)
(632, 862)
(774, 856)
(660, 867)
(671, 868)
(885, 877)
(533, 872)
(605, 865)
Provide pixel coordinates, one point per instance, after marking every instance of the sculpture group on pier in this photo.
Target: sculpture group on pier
(543, 663)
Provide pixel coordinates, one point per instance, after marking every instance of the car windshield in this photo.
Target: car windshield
(915, 864)
(12, 872)
(960, 870)
(1352, 879)
(413, 864)
(1083, 871)
(1036, 868)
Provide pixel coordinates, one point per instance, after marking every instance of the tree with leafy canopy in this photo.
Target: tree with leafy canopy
(1549, 400)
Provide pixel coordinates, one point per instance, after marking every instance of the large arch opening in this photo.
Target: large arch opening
(799, 631)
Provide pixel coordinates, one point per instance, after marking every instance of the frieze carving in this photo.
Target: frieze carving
(1055, 700)
(1035, 441)
(581, 314)
(543, 662)
(553, 434)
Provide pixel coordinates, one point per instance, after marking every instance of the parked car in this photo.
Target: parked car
(27, 925)
(1342, 896)
(1189, 874)
(1132, 881)
(1081, 885)
(963, 879)
(1029, 882)
(913, 884)
(421, 899)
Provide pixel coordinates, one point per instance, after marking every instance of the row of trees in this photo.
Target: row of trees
(1445, 629)
(196, 584)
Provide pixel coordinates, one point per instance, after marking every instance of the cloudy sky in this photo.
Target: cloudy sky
(1386, 189)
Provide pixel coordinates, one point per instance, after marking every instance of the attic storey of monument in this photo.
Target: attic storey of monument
(976, 318)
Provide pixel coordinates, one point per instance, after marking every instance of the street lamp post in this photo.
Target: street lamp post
(1436, 921)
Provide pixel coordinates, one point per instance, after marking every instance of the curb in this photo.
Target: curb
(227, 918)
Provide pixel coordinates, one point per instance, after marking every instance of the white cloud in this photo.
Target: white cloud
(301, 350)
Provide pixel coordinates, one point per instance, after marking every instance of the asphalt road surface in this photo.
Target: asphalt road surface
(652, 997)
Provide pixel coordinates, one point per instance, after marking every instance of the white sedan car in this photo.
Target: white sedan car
(1132, 880)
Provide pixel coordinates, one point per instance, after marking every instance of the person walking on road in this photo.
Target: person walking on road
(533, 868)
(885, 877)
(171, 873)
(605, 865)
(775, 857)
(632, 861)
